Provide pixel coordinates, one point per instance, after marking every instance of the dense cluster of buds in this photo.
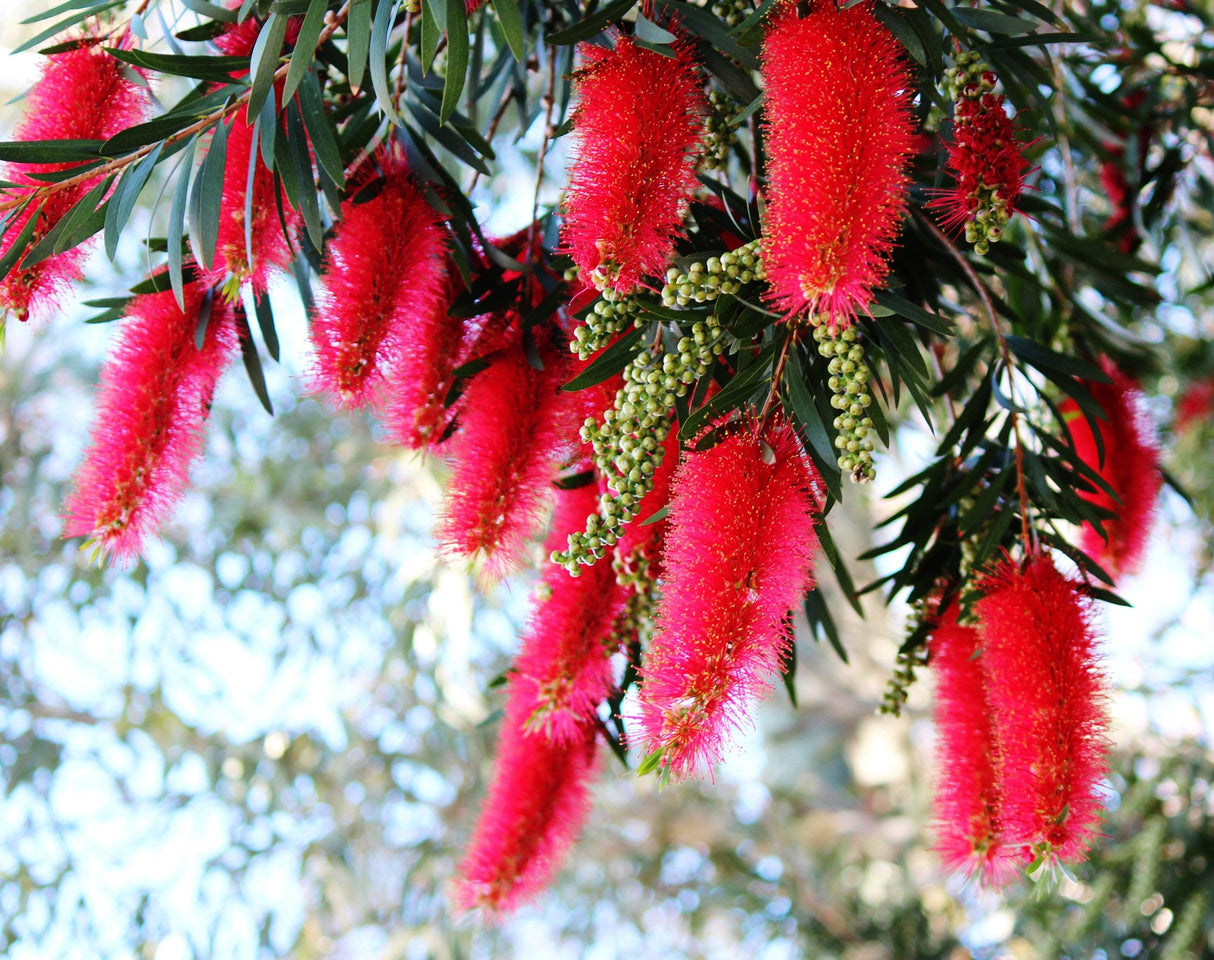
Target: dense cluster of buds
(850, 386)
(706, 280)
(984, 155)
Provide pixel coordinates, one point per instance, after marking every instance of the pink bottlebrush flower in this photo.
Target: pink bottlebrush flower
(839, 134)
(537, 802)
(969, 789)
(155, 397)
(984, 158)
(515, 429)
(83, 94)
(381, 320)
(1194, 405)
(1046, 695)
(1130, 467)
(737, 559)
(639, 120)
(565, 661)
(255, 254)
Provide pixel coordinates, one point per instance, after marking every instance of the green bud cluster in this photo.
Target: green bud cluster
(968, 77)
(629, 444)
(849, 386)
(611, 314)
(732, 12)
(721, 135)
(705, 281)
(898, 686)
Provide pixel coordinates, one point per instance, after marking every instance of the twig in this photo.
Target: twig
(1009, 365)
(197, 126)
(777, 374)
(497, 119)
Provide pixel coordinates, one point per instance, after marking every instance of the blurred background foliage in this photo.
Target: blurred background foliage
(271, 739)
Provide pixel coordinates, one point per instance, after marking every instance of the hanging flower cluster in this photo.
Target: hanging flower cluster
(839, 132)
(1126, 458)
(381, 325)
(155, 397)
(83, 94)
(639, 122)
(984, 156)
(1021, 724)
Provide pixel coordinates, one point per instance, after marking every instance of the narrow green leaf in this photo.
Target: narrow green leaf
(85, 219)
(320, 131)
(595, 23)
(305, 47)
(49, 151)
(123, 201)
(208, 191)
(65, 7)
(177, 220)
(385, 16)
(263, 61)
(215, 69)
(650, 32)
(512, 26)
(1049, 361)
(842, 575)
(432, 16)
(457, 58)
(67, 23)
(308, 205)
(913, 312)
(252, 362)
(818, 615)
(608, 363)
(19, 245)
(211, 10)
(358, 41)
(993, 22)
(205, 309)
(265, 321)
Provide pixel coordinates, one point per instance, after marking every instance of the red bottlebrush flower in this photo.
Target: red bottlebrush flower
(254, 254)
(737, 558)
(515, 429)
(839, 134)
(382, 316)
(1130, 467)
(1194, 406)
(155, 397)
(969, 789)
(83, 94)
(536, 805)
(1046, 695)
(565, 661)
(638, 122)
(984, 157)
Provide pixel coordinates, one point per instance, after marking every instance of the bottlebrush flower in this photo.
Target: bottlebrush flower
(154, 400)
(984, 157)
(1046, 695)
(839, 134)
(255, 254)
(1130, 467)
(536, 805)
(1194, 406)
(515, 428)
(969, 787)
(382, 318)
(83, 94)
(565, 661)
(737, 558)
(638, 122)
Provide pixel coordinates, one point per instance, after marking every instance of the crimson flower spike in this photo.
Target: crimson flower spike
(515, 429)
(969, 790)
(984, 156)
(839, 133)
(565, 661)
(737, 558)
(538, 800)
(384, 301)
(1046, 694)
(155, 397)
(638, 124)
(1130, 467)
(83, 94)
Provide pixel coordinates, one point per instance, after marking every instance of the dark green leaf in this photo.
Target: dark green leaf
(263, 61)
(913, 312)
(788, 671)
(19, 245)
(650, 32)
(306, 200)
(215, 69)
(207, 198)
(67, 23)
(608, 363)
(211, 10)
(818, 615)
(385, 17)
(432, 16)
(252, 362)
(457, 58)
(993, 22)
(123, 201)
(358, 41)
(320, 131)
(591, 25)
(305, 47)
(1049, 361)
(205, 309)
(177, 220)
(512, 26)
(49, 151)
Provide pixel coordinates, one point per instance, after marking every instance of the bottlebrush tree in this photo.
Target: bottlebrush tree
(788, 233)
